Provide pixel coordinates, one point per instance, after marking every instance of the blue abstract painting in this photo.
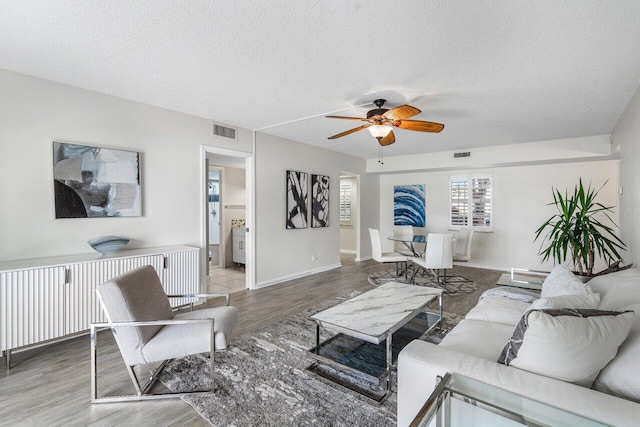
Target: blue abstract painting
(409, 205)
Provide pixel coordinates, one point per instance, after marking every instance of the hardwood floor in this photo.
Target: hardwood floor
(50, 385)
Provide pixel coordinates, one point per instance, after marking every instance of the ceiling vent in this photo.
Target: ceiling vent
(462, 154)
(223, 131)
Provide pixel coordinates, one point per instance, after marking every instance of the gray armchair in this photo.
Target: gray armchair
(146, 329)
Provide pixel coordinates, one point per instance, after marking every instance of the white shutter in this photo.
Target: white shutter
(481, 199)
(471, 200)
(459, 211)
(345, 203)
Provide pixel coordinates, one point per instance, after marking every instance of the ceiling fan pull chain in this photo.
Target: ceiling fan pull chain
(381, 154)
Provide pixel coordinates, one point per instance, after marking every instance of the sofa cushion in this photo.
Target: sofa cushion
(561, 281)
(567, 301)
(568, 344)
(511, 292)
(621, 377)
(481, 339)
(617, 290)
(498, 309)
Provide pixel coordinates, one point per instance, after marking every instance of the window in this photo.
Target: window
(345, 202)
(471, 202)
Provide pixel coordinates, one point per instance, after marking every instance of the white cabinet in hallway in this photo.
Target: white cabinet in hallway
(51, 298)
(238, 238)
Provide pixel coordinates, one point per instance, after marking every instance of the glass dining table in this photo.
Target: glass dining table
(410, 242)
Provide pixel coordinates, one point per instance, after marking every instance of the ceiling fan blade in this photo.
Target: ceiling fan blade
(401, 112)
(388, 140)
(340, 135)
(346, 118)
(419, 125)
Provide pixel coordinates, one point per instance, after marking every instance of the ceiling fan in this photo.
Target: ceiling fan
(381, 122)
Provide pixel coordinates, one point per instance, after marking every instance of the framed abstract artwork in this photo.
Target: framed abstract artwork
(319, 201)
(95, 182)
(409, 205)
(297, 200)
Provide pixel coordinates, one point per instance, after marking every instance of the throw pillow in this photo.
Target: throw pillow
(571, 345)
(621, 377)
(561, 281)
(567, 301)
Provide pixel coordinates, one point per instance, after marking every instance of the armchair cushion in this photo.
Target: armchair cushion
(226, 319)
(178, 340)
(135, 296)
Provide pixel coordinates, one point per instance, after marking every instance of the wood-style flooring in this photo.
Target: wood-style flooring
(50, 385)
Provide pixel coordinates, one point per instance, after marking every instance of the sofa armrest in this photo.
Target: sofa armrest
(420, 363)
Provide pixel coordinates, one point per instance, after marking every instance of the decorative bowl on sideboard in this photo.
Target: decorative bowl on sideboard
(108, 245)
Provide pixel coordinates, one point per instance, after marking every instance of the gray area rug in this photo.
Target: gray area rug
(262, 380)
(456, 285)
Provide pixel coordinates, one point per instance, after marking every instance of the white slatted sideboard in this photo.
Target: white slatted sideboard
(48, 299)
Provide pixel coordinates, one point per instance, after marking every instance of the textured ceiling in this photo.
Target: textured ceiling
(494, 72)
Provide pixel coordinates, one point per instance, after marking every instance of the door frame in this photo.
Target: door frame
(250, 276)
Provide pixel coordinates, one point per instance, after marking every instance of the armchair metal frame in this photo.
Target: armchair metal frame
(142, 391)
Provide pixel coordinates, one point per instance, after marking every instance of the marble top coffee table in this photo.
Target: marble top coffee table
(373, 317)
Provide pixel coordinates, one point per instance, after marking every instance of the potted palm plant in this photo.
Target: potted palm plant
(577, 233)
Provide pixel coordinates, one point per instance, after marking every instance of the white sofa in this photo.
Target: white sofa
(473, 347)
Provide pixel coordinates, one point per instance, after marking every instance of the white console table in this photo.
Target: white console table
(47, 299)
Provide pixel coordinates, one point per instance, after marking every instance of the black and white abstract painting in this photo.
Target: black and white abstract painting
(95, 182)
(297, 199)
(319, 201)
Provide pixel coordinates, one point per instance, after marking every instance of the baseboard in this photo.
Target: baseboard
(297, 275)
(347, 251)
(365, 258)
(482, 266)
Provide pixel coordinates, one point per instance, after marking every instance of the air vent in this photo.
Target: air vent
(462, 154)
(223, 131)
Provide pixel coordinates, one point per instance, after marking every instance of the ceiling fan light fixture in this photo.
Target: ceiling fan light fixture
(380, 131)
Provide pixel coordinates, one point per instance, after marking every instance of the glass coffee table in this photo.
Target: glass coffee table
(372, 329)
(523, 278)
(460, 401)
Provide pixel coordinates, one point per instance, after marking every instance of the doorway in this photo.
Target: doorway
(349, 215)
(227, 216)
(213, 198)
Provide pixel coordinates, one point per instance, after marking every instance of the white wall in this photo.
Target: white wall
(283, 253)
(521, 195)
(34, 112)
(626, 140)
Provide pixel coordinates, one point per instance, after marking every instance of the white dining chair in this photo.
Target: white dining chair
(386, 257)
(462, 246)
(438, 256)
(404, 232)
